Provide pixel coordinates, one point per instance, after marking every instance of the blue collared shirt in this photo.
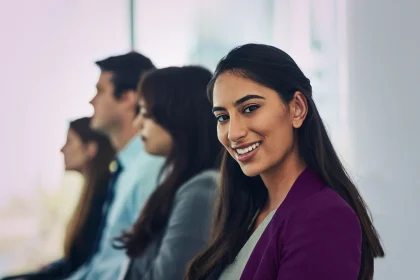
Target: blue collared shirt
(136, 182)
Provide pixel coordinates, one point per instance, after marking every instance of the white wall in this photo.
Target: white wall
(47, 77)
(384, 98)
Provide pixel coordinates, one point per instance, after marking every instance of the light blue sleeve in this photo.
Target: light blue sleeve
(144, 172)
(147, 181)
(136, 186)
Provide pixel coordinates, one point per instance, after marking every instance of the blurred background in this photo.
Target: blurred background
(362, 57)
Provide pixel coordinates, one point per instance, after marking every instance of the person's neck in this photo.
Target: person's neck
(85, 172)
(280, 179)
(121, 136)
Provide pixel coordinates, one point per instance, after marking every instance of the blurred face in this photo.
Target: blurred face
(254, 125)
(107, 111)
(157, 140)
(76, 155)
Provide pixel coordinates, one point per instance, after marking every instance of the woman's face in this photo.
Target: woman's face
(157, 140)
(254, 125)
(76, 153)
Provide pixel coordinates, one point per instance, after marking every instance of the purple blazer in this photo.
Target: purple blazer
(314, 235)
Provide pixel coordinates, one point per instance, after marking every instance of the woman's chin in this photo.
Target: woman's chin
(251, 171)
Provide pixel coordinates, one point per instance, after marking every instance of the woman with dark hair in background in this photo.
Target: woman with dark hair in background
(89, 153)
(287, 208)
(174, 121)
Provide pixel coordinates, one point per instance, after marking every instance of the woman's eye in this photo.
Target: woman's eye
(222, 118)
(251, 108)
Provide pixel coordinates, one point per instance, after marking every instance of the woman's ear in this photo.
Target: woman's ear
(92, 149)
(299, 109)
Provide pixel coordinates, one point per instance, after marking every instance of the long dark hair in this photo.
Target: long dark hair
(241, 196)
(96, 178)
(176, 99)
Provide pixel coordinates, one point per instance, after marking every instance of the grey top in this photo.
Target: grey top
(234, 271)
(186, 234)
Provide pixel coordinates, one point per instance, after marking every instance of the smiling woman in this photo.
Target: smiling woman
(256, 119)
(287, 209)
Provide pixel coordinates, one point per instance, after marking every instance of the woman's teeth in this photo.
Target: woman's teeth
(248, 149)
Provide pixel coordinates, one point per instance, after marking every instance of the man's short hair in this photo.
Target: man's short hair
(126, 70)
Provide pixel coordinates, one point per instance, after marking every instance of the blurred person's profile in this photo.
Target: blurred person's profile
(175, 122)
(90, 153)
(135, 172)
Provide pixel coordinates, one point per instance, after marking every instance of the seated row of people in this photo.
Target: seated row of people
(282, 206)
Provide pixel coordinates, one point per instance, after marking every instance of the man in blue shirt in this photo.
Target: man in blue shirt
(115, 107)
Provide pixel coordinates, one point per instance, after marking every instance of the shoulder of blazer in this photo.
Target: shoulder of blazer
(206, 180)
